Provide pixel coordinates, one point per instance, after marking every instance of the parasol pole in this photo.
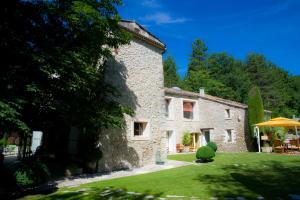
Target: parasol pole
(297, 135)
(257, 134)
(258, 139)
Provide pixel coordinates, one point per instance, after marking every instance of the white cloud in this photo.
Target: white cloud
(151, 3)
(163, 18)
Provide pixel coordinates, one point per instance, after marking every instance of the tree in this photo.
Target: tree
(230, 72)
(255, 109)
(201, 78)
(295, 93)
(50, 74)
(273, 82)
(171, 78)
(197, 59)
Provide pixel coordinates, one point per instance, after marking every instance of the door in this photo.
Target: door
(205, 137)
(171, 142)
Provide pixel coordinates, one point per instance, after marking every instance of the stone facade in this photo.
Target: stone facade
(210, 117)
(137, 72)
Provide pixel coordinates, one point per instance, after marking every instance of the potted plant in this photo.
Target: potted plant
(267, 148)
(186, 141)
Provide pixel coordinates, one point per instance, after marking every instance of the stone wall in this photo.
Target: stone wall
(137, 72)
(211, 115)
(215, 115)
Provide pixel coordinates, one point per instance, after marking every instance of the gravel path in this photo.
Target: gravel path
(88, 178)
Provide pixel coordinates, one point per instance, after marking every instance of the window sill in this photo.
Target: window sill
(190, 120)
(228, 118)
(170, 119)
(140, 138)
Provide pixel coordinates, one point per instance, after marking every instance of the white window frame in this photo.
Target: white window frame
(195, 109)
(233, 137)
(171, 108)
(146, 132)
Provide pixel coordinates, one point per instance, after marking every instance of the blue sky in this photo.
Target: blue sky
(270, 27)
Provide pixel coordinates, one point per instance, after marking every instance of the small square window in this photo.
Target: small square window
(228, 113)
(139, 128)
(229, 135)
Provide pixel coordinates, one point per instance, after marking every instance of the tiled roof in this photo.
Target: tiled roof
(139, 31)
(178, 91)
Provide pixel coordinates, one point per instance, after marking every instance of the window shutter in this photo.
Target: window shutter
(187, 107)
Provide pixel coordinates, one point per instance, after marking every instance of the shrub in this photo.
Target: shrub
(205, 153)
(212, 145)
(186, 140)
(24, 177)
(3, 140)
(32, 173)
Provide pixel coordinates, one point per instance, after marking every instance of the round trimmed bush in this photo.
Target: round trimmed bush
(205, 153)
(212, 145)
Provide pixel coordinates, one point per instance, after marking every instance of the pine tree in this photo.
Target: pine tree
(198, 56)
(171, 78)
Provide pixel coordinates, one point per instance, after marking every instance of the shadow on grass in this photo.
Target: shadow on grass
(271, 179)
(203, 161)
(96, 193)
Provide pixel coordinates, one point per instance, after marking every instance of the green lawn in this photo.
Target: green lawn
(230, 175)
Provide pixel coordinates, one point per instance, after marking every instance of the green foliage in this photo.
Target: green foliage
(3, 140)
(205, 153)
(255, 109)
(171, 78)
(186, 139)
(280, 133)
(50, 69)
(212, 145)
(198, 57)
(32, 173)
(274, 83)
(231, 74)
(10, 118)
(201, 78)
(22, 178)
(224, 76)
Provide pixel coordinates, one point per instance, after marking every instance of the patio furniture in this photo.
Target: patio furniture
(179, 148)
(192, 148)
(294, 145)
(278, 147)
(276, 122)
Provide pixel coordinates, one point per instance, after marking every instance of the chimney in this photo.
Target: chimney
(201, 91)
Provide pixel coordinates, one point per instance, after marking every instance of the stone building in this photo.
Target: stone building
(206, 118)
(162, 115)
(137, 72)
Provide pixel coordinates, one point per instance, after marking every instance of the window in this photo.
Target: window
(167, 102)
(229, 135)
(188, 110)
(228, 113)
(139, 128)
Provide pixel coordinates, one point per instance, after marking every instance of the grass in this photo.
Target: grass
(230, 175)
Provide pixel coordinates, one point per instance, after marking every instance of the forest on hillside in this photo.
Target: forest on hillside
(224, 76)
